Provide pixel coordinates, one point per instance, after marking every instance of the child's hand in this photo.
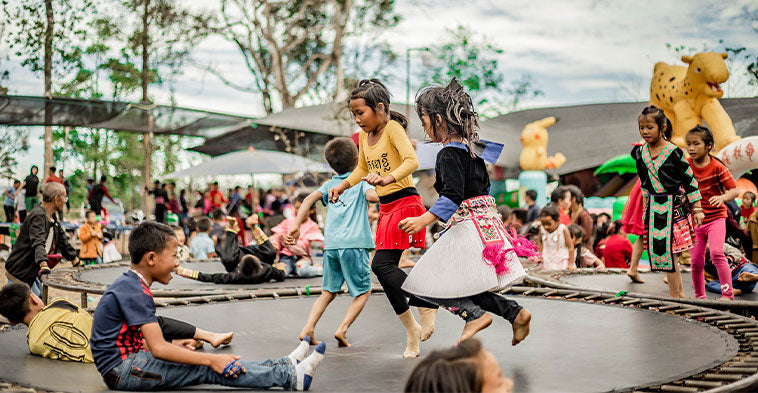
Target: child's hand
(411, 225)
(187, 343)
(281, 266)
(698, 217)
(219, 362)
(251, 221)
(376, 180)
(292, 236)
(717, 201)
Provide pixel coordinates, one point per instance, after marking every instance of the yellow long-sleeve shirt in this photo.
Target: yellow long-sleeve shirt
(393, 154)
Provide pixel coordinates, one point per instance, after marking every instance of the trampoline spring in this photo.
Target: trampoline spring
(750, 334)
(571, 295)
(669, 307)
(723, 377)
(748, 330)
(718, 318)
(728, 321)
(702, 384)
(740, 325)
(550, 293)
(530, 291)
(611, 299)
(592, 297)
(686, 310)
(651, 303)
(631, 302)
(739, 370)
(678, 389)
(275, 295)
(703, 314)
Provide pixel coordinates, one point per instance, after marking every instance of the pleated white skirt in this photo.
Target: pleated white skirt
(454, 267)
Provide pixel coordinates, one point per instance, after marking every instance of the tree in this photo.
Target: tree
(12, 140)
(474, 61)
(290, 48)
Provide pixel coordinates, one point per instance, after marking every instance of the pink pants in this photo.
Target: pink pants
(714, 233)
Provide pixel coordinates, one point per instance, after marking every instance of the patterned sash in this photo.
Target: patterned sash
(660, 213)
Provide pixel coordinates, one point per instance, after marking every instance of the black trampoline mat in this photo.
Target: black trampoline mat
(573, 347)
(105, 276)
(653, 284)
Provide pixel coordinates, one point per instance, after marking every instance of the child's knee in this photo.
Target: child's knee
(717, 254)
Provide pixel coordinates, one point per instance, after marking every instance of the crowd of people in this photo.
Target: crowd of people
(262, 236)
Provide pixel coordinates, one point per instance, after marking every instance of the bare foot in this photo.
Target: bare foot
(736, 292)
(521, 326)
(666, 280)
(475, 326)
(341, 338)
(219, 339)
(413, 339)
(635, 277)
(426, 317)
(303, 334)
(727, 297)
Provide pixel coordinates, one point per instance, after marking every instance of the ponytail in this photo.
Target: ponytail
(400, 118)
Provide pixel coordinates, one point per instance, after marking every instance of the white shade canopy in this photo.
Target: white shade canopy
(252, 161)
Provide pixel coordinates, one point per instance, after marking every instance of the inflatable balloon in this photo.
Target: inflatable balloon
(534, 154)
(745, 185)
(534, 180)
(740, 156)
(689, 96)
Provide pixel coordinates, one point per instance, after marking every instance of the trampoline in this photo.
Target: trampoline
(616, 280)
(574, 346)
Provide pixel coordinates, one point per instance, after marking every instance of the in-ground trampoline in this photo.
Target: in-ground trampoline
(574, 346)
(616, 280)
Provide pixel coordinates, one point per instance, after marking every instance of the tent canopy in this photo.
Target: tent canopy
(252, 161)
(116, 115)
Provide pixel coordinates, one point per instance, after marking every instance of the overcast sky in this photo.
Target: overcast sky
(582, 51)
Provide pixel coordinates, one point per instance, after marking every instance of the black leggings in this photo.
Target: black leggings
(384, 265)
(10, 213)
(175, 330)
(473, 307)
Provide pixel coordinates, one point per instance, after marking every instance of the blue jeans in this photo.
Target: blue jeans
(305, 270)
(141, 371)
(37, 287)
(745, 287)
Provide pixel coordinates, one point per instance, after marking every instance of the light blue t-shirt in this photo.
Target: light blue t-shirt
(201, 246)
(347, 219)
(9, 201)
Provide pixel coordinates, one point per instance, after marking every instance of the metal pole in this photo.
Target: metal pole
(408, 82)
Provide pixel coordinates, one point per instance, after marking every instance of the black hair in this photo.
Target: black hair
(455, 369)
(663, 122)
(90, 180)
(577, 232)
(705, 134)
(576, 193)
(558, 194)
(249, 266)
(14, 302)
(217, 214)
(531, 194)
(373, 92)
(53, 169)
(16, 181)
(203, 224)
(601, 232)
(312, 214)
(520, 214)
(88, 212)
(453, 106)
(341, 154)
(149, 236)
(103, 178)
(551, 210)
(504, 211)
(614, 228)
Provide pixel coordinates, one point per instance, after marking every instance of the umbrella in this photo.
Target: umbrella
(251, 161)
(620, 165)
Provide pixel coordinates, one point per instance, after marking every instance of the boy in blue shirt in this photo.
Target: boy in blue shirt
(125, 318)
(347, 239)
(202, 246)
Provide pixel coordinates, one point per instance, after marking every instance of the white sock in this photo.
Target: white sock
(307, 367)
(299, 353)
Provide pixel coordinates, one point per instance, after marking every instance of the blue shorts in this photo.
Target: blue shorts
(349, 265)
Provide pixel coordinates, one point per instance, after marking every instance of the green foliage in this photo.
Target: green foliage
(12, 140)
(473, 60)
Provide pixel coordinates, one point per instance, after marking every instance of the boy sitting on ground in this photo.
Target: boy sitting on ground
(125, 317)
(347, 242)
(744, 272)
(73, 326)
(202, 246)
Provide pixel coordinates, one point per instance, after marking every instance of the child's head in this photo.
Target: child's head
(520, 216)
(218, 215)
(530, 196)
(370, 104)
(17, 301)
(446, 112)
(654, 125)
(16, 183)
(203, 225)
(153, 245)
(577, 233)
(576, 197)
(561, 196)
(614, 228)
(699, 142)
(602, 218)
(550, 217)
(341, 154)
(249, 266)
(181, 239)
(748, 199)
(505, 213)
(466, 367)
(299, 202)
(90, 216)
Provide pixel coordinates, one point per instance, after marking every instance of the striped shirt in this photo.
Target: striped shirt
(713, 179)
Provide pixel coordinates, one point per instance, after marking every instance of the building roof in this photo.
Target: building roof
(588, 135)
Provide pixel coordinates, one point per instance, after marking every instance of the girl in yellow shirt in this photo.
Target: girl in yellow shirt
(386, 159)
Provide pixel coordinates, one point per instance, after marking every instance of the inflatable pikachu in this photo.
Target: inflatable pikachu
(534, 154)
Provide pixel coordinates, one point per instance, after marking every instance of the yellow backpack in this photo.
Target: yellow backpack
(61, 331)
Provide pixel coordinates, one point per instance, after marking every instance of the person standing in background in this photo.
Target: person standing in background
(31, 188)
(52, 178)
(69, 189)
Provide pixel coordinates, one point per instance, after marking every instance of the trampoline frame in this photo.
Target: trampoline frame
(738, 374)
(552, 279)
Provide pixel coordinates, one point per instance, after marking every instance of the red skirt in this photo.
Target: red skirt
(388, 235)
(631, 217)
